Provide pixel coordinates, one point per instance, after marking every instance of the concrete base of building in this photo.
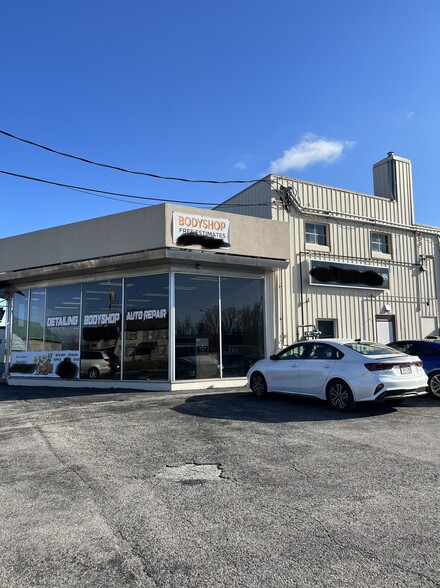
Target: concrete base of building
(129, 385)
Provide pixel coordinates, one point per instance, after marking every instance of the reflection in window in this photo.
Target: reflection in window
(380, 243)
(316, 234)
(36, 322)
(242, 324)
(101, 329)
(326, 328)
(20, 320)
(295, 352)
(197, 327)
(62, 321)
(146, 328)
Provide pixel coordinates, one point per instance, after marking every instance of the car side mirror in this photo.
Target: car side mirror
(273, 357)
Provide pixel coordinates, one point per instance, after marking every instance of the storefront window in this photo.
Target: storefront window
(242, 324)
(36, 320)
(219, 328)
(197, 327)
(20, 321)
(146, 328)
(101, 329)
(63, 305)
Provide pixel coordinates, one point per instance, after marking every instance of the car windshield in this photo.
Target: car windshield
(368, 348)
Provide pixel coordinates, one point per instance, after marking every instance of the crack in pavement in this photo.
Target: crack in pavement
(365, 552)
(130, 547)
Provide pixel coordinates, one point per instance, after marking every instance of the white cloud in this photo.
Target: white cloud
(240, 165)
(309, 150)
(409, 115)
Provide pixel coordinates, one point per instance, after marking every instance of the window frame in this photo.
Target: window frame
(330, 320)
(378, 242)
(315, 243)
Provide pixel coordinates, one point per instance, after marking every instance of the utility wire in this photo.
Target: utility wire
(121, 194)
(84, 189)
(122, 169)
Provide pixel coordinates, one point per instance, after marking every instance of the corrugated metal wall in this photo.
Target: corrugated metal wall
(351, 218)
(253, 201)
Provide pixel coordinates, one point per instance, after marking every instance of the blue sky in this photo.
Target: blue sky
(228, 90)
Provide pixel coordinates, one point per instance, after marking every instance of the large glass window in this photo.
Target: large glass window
(101, 329)
(242, 315)
(20, 321)
(197, 327)
(63, 304)
(36, 321)
(219, 327)
(146, 328)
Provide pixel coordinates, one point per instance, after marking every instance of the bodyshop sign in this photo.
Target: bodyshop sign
(204, 226)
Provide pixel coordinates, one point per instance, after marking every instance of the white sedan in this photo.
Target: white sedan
(341, 371)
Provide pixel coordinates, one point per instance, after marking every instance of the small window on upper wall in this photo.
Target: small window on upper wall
(380, 243)
(326, 328)
(316, 234)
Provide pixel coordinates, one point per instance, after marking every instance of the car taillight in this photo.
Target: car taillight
(377, 367)
(107, 359)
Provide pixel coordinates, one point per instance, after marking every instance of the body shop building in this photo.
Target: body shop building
(170, 297)
(153, 299)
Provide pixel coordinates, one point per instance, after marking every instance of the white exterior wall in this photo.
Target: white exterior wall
(412, 298)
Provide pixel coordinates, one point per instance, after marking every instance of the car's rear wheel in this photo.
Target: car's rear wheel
(434, 384)
(339, 396)
(93, 373)
(258, 384)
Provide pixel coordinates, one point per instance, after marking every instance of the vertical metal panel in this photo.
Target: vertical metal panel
(351, 218)
(253, 201)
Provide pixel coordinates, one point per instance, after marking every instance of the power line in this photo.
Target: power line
(121, 194)
(122, 169)
(84, 189)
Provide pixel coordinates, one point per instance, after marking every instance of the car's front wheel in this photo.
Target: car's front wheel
(258, 384)
(339, 396)
(93, 373)
(434, 384)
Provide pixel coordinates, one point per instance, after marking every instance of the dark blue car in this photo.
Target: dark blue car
(429, 352)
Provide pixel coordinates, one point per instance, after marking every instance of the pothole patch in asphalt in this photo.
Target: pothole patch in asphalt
(192, 473)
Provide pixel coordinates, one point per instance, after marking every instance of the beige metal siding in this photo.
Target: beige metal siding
(351, 218)
(253, 201)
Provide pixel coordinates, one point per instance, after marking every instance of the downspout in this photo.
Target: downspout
(301, 290)
(280, 309)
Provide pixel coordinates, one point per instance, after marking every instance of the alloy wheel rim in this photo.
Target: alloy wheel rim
(339, 396)
(435, 385)
(258, 386)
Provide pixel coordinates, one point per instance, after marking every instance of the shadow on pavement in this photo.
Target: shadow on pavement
(8, 393)
(276, 408)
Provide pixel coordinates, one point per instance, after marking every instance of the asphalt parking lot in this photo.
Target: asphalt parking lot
(216, 489)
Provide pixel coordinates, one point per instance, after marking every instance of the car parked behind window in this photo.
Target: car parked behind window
(98, 364)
